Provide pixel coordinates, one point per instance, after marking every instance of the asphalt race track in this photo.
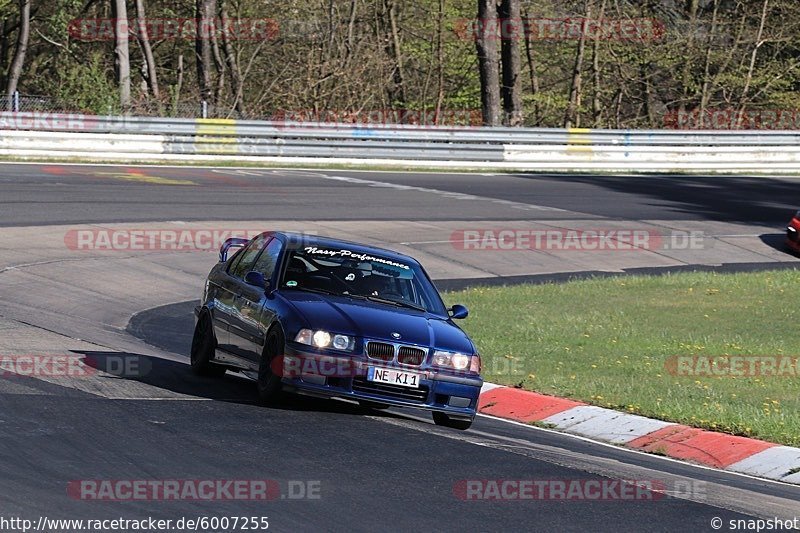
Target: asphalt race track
(360, 470)
(82, 194)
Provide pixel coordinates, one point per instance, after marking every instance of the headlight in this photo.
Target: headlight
(323, 339)
(341, 342)
(456, 361)
(304, 336)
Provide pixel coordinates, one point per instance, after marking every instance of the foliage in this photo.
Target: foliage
(338, 55)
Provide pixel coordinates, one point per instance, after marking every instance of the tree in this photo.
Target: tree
(759, 42)
(122, 53)
(572, 117)
(488, 66)
(597, 105)
(397, 93)
(15, 70)
(233, 65)
(205, 11)
(512, 83)
(144, 41)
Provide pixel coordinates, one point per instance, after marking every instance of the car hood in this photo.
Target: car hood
(376, 321)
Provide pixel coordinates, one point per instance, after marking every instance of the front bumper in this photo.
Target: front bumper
(455, 395)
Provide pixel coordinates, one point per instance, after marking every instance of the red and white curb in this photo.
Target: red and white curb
(709, 448)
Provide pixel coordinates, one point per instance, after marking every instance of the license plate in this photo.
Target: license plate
(393, 377)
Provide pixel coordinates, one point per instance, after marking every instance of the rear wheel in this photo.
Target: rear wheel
(203, 346)
(441, 419)
(269, 384)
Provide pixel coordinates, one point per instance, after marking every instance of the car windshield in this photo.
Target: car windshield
(358, 274)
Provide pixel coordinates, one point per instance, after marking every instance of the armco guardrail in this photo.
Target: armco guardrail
(24, 135)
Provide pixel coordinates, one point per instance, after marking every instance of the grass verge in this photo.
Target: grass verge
(615, 342)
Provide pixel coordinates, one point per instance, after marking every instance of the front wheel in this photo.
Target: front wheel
(441, 419)
(269, 383)
(203, 346)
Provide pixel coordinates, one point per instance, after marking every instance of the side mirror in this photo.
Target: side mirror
(256, 279)
(458, 312)
(233, 242)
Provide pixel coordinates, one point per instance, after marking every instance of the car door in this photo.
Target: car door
(229, 286)
(253, 314)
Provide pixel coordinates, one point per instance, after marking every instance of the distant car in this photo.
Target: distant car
(792, 231)
(333, 318)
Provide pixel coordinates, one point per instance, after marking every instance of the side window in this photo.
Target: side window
(269, 259)
(244, 262)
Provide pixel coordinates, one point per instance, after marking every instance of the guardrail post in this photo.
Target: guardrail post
(204, 109)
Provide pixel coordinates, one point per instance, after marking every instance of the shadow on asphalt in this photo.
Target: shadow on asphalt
(170, 328)
(777, 241)
(746, 199)
(177, 377)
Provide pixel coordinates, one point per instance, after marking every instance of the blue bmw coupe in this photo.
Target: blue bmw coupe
(332, 318)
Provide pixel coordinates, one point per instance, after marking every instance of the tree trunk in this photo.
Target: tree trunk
(233, 64)
(4, 52)
(398, 92)
(144, 41)
(440, 63)
(647, 94)
(351, 26)
(488, 63)
(705, 91)
(618, 109)
(512, 100)
(572, 118)
(204, 13)
(15, 71)
(122, 54)
(534, 77)
(597, 106)
(692, 7)
(749, 78)
(219, 65)
(178, 87)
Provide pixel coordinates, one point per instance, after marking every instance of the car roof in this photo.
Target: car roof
(315, 240)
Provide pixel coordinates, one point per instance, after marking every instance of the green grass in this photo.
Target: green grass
(607, 342)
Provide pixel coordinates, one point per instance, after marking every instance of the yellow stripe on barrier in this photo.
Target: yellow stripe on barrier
(578, 140)
(216, 136)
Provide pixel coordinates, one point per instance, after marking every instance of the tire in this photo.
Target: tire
(367, 404)
(441, 419)
(203, 346)
(269, 384)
